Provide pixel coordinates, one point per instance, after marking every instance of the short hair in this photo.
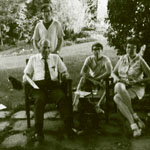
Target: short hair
(97, 45)
(46, 5)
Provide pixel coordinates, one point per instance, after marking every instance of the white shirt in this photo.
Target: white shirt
(35, 67)
(53, 33)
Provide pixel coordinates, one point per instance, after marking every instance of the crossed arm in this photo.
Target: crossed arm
(95, 80)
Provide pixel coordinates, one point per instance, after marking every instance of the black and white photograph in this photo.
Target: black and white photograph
(74, 75)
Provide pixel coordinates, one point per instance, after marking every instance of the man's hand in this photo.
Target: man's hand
(24, 80)
(65, 76)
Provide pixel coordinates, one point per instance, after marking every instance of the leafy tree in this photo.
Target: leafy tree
(9, 30)
(129, 18)
(70, 13)
(18, 18)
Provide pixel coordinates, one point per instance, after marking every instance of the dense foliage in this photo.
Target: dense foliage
(129, 18)
(8, 26)
(18, 18)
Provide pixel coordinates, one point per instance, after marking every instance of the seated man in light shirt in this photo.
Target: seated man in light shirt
(49, 89)
(95, 68)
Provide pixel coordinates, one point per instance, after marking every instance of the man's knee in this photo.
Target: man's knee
(39, 97)
(117, 98)
(119, 87)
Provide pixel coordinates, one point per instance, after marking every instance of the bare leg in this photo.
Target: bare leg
(81, 82)
(123, 108)
(76, 97)
(126, 112)
(120, 89)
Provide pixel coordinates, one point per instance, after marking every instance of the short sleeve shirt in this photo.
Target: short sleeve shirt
(132, 71)
(53, 33)
(96, 68)
(35, 67)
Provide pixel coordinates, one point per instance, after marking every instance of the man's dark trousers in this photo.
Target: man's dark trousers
(48, 94)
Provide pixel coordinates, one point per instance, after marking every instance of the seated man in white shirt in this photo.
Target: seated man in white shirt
(46, 78)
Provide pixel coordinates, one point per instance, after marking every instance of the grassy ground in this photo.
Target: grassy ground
(73, 56)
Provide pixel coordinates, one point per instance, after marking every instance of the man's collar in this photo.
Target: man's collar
(41, 57)
(50, 21)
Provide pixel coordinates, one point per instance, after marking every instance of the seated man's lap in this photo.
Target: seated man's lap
(49, 96)
(55, 95)
(87, 86)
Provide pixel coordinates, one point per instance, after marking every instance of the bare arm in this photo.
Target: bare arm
(106, 74)
(115, 72)
(60, 35)
(59, 45)
(145, 67)
(36, 37)
(85, 68)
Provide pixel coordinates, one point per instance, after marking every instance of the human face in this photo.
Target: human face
(45, 49)
(131, 50)
(96, 51)
(47, 14)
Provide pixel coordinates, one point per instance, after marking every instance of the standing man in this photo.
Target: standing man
(43, 69)
(48, 28)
